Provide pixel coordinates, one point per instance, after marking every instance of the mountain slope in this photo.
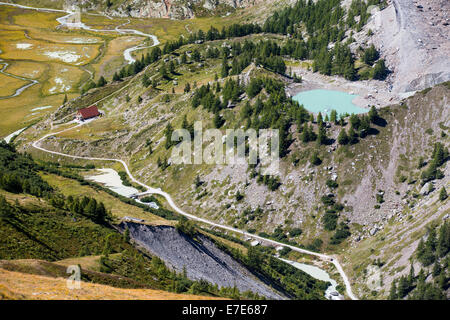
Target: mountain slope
(22, 286)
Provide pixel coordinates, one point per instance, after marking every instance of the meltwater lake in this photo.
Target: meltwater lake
(321, 100)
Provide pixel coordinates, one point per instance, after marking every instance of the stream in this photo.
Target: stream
(19, 90)
(331, 293)
(64, 21)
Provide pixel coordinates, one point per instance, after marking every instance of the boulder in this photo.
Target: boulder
(426, 189)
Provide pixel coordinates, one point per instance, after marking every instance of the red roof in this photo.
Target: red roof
(89, 112)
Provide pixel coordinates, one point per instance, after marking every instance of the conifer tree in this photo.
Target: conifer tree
(342, 137)
(443, 194)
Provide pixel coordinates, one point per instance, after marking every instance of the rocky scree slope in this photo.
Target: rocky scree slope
(173, 9)
(200, 258)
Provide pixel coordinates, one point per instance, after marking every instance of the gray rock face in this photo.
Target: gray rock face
(425, 189)
(201, 259)
(174, 9)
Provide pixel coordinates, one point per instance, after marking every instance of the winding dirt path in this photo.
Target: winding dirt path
(158, 191)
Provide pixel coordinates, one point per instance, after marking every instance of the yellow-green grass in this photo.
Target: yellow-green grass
(94, 130)
(32, 18)
(112, 60)
(16, 112)
(51, 4)
(228, 243)
(101, 22)
(62, 79)
(16, 285)
(26, 69)
(42, 51)
(67, 36)
(8, 85)
(117, 208)
(91, 263)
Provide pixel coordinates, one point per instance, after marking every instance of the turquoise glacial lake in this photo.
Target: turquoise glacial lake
(321, 100)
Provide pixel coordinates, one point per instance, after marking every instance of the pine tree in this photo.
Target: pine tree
(126, 235)
(168, 134)
(443, 194)
(101, 82)
(224, 70)
(403, 287)
(322, 136)
(352, 136)
(171, 67)
(163, 71)
(443, 244)
(411, 276)
(218, 120)
(436, 269)
(342, 137)
(146, 81)
(116, 77)
(65, 99)
(393, 292)
(333, 116)
(319, 120)
(380, 70)
(373, 114)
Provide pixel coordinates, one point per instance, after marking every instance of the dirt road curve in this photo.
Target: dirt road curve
(151, 190)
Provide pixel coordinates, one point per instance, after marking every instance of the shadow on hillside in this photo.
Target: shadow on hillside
(372, 131)
(380, 122)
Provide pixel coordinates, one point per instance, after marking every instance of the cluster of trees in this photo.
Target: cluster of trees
(296, 283)
(439, 156)
(18, 173)
(432, 251)
(434, 247)
(138, 65)
(315, 16)
(232, 31)
(91, 84)
(370, 55)
(249, 215)
(187, 227)
(324, 25)
(342, 233)
(359, 127)
(330, 218)
(272, 182)
(338, 61)
(359, 8)
(86, 206)
(277, 111)
(264, 53)
(307, 133)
